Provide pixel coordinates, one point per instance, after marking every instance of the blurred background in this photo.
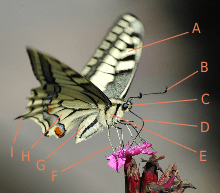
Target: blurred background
(71, 31)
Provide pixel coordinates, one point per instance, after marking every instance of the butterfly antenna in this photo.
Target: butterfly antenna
(141, 95)
(138, 132)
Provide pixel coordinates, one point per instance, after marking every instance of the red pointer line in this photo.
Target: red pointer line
(86, 158)
(65, 142)
(156, 134)
(164, 102)
(17, 130)
(159, 41)
(182, 80)
(170, 123)
(46, 131)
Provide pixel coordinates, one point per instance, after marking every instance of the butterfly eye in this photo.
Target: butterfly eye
(124, 106)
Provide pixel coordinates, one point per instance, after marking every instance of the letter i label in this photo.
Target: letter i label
(11, 151)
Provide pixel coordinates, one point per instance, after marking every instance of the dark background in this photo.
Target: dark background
(71, 31)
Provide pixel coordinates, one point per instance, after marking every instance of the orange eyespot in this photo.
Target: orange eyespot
(60, 131)
(50, 110)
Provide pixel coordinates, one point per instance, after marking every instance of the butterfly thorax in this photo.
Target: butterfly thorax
(118, 108)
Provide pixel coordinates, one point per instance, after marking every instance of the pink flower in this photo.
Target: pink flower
(117, 159)
(113, 160)
(146, 145)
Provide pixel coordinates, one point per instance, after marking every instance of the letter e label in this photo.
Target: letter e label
(202, 160)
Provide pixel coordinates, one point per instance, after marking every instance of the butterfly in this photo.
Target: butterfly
(91, 98)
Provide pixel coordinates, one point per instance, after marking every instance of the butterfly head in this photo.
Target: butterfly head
(122, 108)
(119, 108)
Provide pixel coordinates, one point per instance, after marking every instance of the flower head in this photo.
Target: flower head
(118, 159)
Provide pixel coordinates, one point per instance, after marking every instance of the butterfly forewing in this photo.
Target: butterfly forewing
(112, 66)
(53, 74)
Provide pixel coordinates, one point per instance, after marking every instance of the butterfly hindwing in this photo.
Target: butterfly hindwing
(113, 67)
(62, 92)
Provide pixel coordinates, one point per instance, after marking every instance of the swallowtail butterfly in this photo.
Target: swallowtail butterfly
(88, 99)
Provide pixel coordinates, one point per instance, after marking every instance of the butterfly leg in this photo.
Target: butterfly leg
(112, 146)
(125, 123)
(120, 139)
(110, 139)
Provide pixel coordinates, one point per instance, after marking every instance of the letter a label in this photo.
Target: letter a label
(196, 28)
